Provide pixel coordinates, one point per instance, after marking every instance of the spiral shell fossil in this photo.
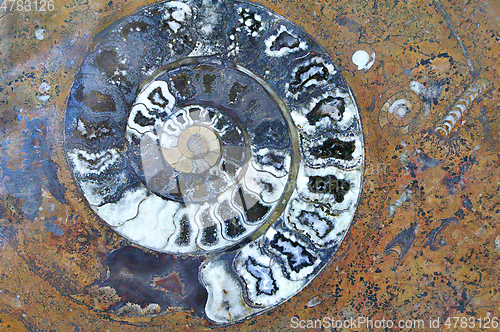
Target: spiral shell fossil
(400, 112)
(219, 130)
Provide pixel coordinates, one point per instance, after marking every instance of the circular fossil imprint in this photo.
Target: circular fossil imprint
(219, 130)
(401, 112)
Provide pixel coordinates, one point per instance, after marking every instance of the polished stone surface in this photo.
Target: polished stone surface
(425, 243)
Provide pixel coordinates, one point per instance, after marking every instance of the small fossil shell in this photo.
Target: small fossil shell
(401, 111)
(464, 103)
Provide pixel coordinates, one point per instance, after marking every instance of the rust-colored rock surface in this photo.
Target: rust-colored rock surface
(424, 246)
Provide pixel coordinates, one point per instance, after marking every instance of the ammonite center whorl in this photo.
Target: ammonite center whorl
(219, 130)
(197, 138)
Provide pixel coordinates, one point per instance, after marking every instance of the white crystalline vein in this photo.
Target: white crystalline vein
(124, 209)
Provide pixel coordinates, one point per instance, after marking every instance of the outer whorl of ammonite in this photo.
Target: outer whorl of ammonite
(223, 131)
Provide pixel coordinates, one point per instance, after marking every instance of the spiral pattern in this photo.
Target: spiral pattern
(220, 130)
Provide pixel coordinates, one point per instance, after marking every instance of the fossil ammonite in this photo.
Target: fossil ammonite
(219, 130)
